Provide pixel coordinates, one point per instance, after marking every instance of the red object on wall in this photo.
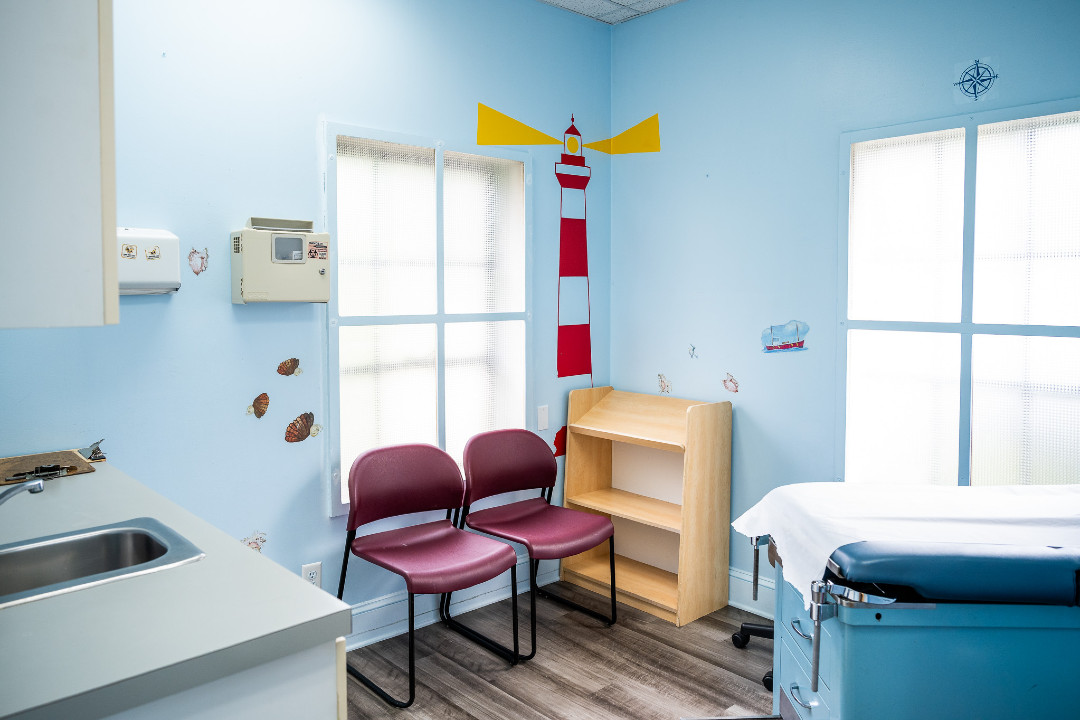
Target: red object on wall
(573, 249)
(575, 350)
(560, 442)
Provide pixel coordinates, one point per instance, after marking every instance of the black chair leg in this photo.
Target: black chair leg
(345, 562)
(533, 567)
(383, 695)
(581, 608)
(511, 656)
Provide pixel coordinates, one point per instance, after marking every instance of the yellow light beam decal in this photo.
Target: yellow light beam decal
(494, 128)
(643, 137)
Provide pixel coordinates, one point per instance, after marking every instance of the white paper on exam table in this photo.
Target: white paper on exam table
(808, 521)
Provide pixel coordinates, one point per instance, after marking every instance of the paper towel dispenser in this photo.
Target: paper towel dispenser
(149, 262)
(280, 261)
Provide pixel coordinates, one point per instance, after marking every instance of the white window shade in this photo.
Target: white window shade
(1027, 222)
(483, 234)
(386, 228)
(1025, 410)
(905, 227)
(485, 379)
(903, 391)
(388, 388)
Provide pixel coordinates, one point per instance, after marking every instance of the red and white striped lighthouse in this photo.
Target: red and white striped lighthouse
(574, 343)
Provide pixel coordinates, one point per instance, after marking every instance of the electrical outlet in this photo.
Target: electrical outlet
(542, 417)
(312, 572)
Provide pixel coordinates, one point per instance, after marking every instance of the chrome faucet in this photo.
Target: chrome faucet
(33, 487)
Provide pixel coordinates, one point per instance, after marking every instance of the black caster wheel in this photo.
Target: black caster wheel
(767, 681)
(740, 640)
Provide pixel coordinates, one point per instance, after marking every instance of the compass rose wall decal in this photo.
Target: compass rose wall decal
(574, 344)
(976, 80)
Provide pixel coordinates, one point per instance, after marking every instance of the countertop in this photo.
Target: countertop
(100, 650)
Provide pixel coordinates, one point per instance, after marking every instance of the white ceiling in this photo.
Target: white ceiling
(611, 12)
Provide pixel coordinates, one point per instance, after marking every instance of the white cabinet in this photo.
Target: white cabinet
(57, 164)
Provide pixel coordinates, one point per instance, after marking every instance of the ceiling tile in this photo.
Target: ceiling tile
(611, 11)
(619, 15)
(645, 6)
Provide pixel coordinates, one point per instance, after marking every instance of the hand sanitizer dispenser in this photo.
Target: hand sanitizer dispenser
(280, 261)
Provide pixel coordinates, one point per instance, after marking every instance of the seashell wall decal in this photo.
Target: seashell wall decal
(258, 405)
(300, 428)
(289, 367)
(255, 540)
(198, 261)
(731, 384)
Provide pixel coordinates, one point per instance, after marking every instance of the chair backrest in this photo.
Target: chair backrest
(402, 479)
(505, 460)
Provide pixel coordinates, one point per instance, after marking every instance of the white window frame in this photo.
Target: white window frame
(329, 132)
(965, 328)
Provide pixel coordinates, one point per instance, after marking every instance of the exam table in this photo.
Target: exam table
(909, 603)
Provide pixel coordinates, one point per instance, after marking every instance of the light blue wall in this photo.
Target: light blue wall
(217, 110)
(732, 227)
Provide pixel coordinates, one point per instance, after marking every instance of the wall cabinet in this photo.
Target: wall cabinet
(58, 173)
(600, 420)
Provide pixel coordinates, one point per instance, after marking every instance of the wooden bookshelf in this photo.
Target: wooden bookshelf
(701, 433)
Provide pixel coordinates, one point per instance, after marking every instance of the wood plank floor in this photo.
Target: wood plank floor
(642, 667)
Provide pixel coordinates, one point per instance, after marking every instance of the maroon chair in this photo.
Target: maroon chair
(433, 557)
(508, 460)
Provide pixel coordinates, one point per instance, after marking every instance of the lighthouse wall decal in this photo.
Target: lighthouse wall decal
(574, 343)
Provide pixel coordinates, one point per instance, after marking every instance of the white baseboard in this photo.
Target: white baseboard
(741, 593)
(387, 616)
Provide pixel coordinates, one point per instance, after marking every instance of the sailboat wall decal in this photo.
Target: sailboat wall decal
(789, 336)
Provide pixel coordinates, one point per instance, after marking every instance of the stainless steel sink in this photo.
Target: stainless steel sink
(39, 568)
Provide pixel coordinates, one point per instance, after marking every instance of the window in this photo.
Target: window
(960, 305)
(429, 315)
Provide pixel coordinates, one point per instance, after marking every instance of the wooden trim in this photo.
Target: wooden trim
(342, 683)
(110, 278)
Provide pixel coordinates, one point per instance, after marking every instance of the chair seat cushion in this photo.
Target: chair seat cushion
(549, 532)
(436, 557)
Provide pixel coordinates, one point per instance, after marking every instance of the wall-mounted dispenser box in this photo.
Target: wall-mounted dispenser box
(149, 262)
(280, 261)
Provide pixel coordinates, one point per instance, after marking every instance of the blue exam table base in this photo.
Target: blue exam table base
(933, 630)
